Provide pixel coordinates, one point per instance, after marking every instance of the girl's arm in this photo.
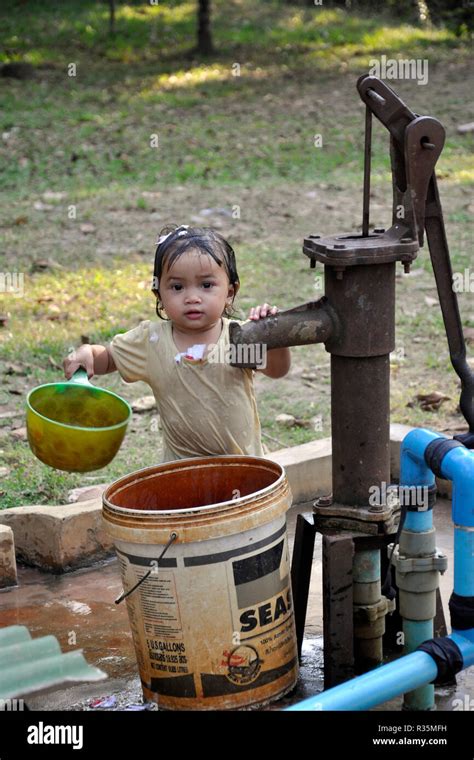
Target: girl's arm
(278, 359)
(96, 360)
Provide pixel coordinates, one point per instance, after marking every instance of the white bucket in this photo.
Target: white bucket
(213, 623)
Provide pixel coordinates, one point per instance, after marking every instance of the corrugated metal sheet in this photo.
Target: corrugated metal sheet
(28, 665)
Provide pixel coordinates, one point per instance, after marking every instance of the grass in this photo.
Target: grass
(147, 133)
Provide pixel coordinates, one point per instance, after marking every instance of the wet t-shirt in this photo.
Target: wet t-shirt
(206, 406)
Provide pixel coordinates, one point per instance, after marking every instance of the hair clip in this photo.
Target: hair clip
(181, 230)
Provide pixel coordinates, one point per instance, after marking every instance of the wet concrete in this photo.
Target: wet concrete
(78, 608)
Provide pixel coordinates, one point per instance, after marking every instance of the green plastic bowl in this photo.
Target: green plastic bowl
(75, 426)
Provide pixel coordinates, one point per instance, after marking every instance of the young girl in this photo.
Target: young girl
(206, 406)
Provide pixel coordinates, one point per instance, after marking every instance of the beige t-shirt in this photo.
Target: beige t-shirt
(206, 407)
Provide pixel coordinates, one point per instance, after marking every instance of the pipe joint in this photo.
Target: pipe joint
(371, 614)
(406, 565)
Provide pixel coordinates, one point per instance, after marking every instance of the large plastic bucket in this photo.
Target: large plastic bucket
(213, 623)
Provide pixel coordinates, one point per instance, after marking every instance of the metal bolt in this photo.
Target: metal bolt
(427, 145)
(324, 501)
(376, 508)
(406, 266)
(375, 96)
(339, 273)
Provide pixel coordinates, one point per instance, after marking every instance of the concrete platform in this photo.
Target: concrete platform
(63, 537)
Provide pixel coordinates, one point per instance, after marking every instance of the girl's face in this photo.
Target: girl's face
(195, 291)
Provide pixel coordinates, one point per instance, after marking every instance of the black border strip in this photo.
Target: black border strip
(210, 559)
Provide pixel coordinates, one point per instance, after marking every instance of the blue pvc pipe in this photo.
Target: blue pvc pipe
(413, 469)
(418, 669)
(416, 632)
(366, 566)
(458, 466)
(465, 642)
(419, 522)
(376, 686)
(463, 562)
(387, 682)
(415, 472)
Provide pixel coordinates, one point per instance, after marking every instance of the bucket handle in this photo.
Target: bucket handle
(80, 376)
(124, 594)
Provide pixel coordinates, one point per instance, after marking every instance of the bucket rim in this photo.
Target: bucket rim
(205, 507)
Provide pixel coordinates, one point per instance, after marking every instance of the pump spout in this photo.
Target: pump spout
(312, 322)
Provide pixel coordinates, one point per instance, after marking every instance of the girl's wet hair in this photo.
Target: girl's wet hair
(174, 241)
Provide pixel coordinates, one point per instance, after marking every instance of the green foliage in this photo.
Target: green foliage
(457, 16)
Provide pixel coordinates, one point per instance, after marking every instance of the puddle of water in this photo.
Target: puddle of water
(78, 608)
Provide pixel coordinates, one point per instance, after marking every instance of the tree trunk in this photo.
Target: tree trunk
(204, 41)
(112, 18)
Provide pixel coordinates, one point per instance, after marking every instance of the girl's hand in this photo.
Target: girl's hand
(82, 357)
(257, 312)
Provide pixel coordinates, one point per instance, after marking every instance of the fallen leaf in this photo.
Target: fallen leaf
(288, 420)
(144, 404)
(8, 415)
(19, 434)
(40, 206)
(463, 129)
(21, 220)
(429, 402)
(41, 265)
(14, 369)
(85, 493)
(469, 334)
(50, 195)
(300, 422)
(87, 229)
